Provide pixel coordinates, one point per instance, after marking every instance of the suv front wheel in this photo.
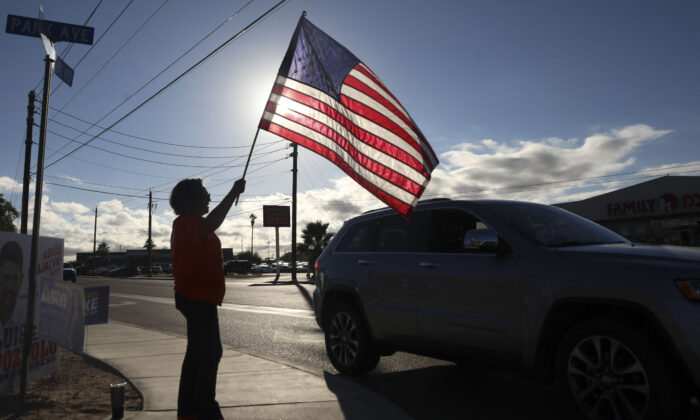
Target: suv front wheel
(348, 342)
(612, 371)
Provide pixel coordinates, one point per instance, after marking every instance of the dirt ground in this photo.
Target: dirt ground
(80, 390)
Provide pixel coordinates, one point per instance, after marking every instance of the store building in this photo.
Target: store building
(665, 210)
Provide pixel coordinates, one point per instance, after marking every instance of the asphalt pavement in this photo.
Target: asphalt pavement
(248, 387)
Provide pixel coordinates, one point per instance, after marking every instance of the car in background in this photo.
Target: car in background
(263, 268)
(125, 271)
(166, 267)
(238, 266)
(69, 273)
(101, 271)
(532, 286)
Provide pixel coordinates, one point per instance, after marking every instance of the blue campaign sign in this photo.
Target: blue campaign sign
(96, 305)
(63, 71)
(56, 31)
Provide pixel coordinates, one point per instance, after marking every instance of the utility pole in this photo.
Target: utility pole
(94, 237)
(31, 292)
(252, 223)
(149, 243)
(294, 212)
(27, 158)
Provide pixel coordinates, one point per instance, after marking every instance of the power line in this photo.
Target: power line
(133, 147)
(161, 72)
(95, 43)
(146, 160)
(112, 57)
(92, 124)
(219, 48)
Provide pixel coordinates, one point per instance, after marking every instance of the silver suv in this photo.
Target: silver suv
(526, 285)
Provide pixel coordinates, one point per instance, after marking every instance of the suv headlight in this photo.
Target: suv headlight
(690, 288)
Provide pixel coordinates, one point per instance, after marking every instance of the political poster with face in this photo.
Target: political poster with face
(15, 253)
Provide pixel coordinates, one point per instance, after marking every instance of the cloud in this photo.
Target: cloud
(8, 185)
(72, 207)
(488, 172)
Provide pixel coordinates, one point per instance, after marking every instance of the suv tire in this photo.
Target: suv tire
(348, 343)
(611, 369)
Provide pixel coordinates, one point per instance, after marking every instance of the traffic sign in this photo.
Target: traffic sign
(63, 71)
(56, 31)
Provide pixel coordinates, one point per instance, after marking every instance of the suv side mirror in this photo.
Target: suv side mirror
(481, 240)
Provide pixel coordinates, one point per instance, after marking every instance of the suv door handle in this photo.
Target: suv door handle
(365, 262)
(428, 264)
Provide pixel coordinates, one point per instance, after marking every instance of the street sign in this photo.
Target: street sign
(63, 71)
(56, 31)
(276, 216)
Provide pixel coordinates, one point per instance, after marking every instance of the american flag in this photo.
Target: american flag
(327, 100)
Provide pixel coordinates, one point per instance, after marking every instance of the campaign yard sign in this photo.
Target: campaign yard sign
(44, 356)
(96, 305)
(62, 313)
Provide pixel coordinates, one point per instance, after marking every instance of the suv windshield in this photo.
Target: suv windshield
(553, 227)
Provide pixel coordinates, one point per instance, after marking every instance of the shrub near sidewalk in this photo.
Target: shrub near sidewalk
(79, 390)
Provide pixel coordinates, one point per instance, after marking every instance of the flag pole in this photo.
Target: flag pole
(252, 146)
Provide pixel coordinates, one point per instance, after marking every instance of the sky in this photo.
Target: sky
(545, 101)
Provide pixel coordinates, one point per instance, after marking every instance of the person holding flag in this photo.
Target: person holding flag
(198, 269)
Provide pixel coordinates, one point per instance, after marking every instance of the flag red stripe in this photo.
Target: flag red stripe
(370, 164)
(369, 74)
(390, 200)
(362, 87)
(364, 69)
(381, 119)
(363, 135)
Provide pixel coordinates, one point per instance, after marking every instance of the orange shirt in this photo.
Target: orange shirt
(198, 267)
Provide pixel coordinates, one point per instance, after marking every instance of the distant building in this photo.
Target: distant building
(135, 257)
(665, 210)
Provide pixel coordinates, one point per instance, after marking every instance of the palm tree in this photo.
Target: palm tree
(149, 244)
(315, 237)
(102, 249)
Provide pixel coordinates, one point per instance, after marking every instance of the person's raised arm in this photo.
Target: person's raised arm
(216, 217)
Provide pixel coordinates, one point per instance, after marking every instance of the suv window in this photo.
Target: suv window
(447, 230)
(396, 234)
(360, 237)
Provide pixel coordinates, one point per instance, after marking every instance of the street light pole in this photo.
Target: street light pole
(252, 223)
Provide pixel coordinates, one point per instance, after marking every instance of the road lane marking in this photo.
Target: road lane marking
(114, 305)
(294, 313)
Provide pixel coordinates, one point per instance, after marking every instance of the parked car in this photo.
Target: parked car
(101, 271)
(69, 273)
(166, 267)
(263, 268)
(238, 266)
(125, 271)
(617, 324)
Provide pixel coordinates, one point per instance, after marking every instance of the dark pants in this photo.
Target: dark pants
(197, 393)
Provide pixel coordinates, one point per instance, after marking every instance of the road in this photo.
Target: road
(276, 321)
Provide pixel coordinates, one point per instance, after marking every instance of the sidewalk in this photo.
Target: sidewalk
(248, 387)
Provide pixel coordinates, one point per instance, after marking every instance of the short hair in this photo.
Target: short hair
(12, 252)
(184, 199)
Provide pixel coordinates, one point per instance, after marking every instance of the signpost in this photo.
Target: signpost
(50, 32)
(276, 216)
